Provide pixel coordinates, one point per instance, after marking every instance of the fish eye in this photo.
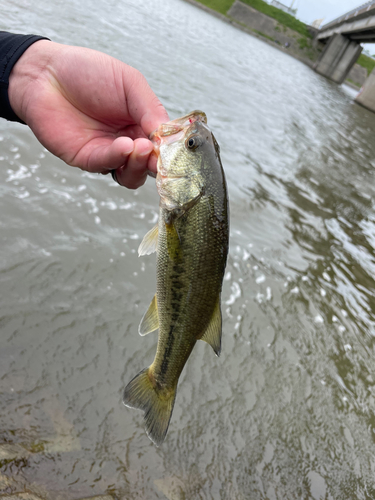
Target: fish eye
(192, 142)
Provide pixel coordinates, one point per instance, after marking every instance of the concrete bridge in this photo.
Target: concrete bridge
(342, 38)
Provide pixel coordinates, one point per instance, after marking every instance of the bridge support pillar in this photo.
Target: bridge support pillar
(338, 58)
(366, 97)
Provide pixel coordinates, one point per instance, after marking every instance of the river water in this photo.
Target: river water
(287, 411)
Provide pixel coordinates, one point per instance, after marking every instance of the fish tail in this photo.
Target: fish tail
(141, 394)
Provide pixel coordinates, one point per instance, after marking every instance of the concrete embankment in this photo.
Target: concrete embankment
(269, 30)
(366, 97)
(357, 76)
(265, 28)
(281, 36)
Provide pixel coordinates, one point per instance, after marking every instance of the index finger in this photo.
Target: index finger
(143, 105)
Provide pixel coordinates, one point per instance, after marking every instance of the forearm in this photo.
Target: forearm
(12, 49)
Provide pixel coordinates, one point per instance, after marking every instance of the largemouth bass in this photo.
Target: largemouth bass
(191, 240)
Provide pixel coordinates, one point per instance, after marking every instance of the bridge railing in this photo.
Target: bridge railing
(345, 16)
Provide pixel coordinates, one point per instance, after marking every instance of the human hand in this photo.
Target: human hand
(89, 109)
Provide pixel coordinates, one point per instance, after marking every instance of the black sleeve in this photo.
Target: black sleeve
(11, 49)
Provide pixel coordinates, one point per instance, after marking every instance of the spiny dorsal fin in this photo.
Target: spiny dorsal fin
(150, 242)
(212, 335)
(150, 321)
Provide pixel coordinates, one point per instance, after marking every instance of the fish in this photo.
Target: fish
(191, 240)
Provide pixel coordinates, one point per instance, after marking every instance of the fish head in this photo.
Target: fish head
(182, 145)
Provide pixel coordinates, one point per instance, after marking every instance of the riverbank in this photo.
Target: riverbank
(279, 29)
(262, 27)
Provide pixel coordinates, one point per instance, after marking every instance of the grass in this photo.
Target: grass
(353, 82)
(366, 62)
(221, 6)
(304, 43)
(282, 17)
(285, 19)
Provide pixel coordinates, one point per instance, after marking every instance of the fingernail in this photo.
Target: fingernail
(127, 152)
(146, 153)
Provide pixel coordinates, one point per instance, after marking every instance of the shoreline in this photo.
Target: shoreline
(249, 31)
(292, 53)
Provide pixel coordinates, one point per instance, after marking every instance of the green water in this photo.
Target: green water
(287, 411)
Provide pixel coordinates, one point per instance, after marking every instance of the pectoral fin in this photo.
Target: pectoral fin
(150, 321)
(212, 335)
(150, 242)
(173, 241)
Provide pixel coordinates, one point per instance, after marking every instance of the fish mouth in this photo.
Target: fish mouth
(167, 132)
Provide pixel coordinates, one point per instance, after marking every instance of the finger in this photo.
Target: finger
(134, 173)
(152, 164)
(133, 131)
(110, 156)
(143, 105)
(153, 118)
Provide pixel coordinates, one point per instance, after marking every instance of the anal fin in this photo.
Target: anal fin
(212, 335)
(150, 320)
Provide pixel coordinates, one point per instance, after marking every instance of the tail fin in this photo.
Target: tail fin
(141, 394)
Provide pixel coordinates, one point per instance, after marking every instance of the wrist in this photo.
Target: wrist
(28, 73)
